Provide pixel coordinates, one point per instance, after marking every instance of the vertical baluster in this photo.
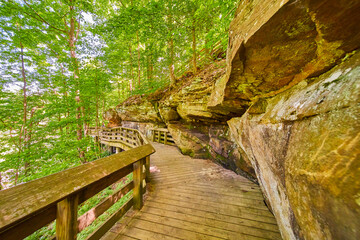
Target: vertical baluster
(138, 184)
(66, 218)
(165, 138)
(147, 168)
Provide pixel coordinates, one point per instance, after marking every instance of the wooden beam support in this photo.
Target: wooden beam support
(138, 184)
(147, 168)
(165, 138)
(66, 218)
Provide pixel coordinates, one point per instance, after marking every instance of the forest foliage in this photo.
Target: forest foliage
(64, 62)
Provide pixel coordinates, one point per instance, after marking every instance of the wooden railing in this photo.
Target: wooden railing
(162, 135)
(120, 137)
(28, 207)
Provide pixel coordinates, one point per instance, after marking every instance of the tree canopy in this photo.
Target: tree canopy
(63, 63)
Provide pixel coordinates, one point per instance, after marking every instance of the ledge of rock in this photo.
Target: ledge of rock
(284, 109)
(197, 130)
(305, 151)
(275, 44)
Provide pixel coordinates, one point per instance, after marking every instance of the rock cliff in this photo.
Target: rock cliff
(282, 110)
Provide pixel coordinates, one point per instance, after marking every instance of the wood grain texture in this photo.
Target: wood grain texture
(98, 233)
(66, 218)
(197, 199)
(138, 178)
(87, 218)
(36, 200)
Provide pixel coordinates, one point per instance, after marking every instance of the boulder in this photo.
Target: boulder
(113, 118)
(189, 140)
(143, 111)
(305, 150)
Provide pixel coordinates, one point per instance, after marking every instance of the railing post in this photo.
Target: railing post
(153, 136)
(165, 138)
(159, 136)
(66, 218)
(138, 184)
(147, 169)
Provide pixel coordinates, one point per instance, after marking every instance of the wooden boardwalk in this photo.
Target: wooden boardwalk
(196, 199)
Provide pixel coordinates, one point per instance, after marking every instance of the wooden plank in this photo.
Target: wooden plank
(216, 208)
(122, 237)
(239, 206)
(111, 221)
(254, 230)
(87, 218)
(28, 226)
(197, 228)
(225, 192)
(27, 200)
(177, 232)
(140, 233)
(213, 216)
(66, 218)
(138, 184)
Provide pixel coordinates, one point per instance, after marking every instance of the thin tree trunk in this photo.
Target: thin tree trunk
(193, 33)
(171, 65)
(72, 40)
(97, 122)
(171, 46)
(138, 60)
(103, 110)
(24, 128)
(131, 69)
(119, 90)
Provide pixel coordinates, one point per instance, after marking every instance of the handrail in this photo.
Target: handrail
(162, 135)
(28, 207)
(121, 137)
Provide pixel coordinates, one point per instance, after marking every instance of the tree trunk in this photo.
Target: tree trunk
(138, 60)
(24, 127)
(193, 32)
(171, 65)
(72, 40)
(171, 45)
(131, 70)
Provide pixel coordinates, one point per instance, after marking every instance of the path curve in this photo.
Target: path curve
(196, 199)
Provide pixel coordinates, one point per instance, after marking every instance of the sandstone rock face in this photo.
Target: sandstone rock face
(285, 109)
(190, 101)
(113, 118)
(142, 111)
(275, 44)
(199, 131)
(305, 150)
(212, 142)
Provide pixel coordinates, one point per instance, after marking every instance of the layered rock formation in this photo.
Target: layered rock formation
(284, 110)
(197, 130)
(305, 151)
